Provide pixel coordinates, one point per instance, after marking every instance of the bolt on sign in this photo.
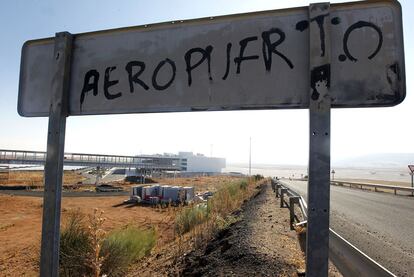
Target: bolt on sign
(247, 61)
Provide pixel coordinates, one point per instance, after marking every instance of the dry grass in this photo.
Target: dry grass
(200, 184)
(35, 177)
(201, 222)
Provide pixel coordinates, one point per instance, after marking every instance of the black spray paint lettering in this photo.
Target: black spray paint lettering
(320, 20)
(108, 83)
(133, 78)
(304, 24)
(157, 69)
(88, 85)
(243, 44)
(205, 55)
(135, 69)
(269, 48)
(228, 51)
(358, 25)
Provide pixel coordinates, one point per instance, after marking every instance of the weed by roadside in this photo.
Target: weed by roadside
(205, 219)
(87, 250)
(75, 246)
(124, 246)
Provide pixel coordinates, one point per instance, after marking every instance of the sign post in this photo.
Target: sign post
(49, 256)
(317, 233)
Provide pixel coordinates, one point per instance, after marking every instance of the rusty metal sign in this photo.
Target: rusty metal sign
(246, 61)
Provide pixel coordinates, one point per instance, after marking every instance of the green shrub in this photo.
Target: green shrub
(119, 249)
(124, 246)
(258, 177)
(228, 198)
(243, 184)
(190, 217)
(75, 246)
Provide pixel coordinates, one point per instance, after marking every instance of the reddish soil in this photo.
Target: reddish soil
(259, 243)
(21, 218)
(20, 226)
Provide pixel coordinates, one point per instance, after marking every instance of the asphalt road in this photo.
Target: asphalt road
(379, 224)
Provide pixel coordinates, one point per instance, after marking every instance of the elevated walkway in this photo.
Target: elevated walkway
(93, 160)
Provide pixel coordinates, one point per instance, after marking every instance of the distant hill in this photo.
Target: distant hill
(386, 160)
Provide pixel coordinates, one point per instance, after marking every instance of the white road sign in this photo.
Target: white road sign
(247, 61)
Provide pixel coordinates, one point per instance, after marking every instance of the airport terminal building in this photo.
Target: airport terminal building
(200, 163)
(186, 163)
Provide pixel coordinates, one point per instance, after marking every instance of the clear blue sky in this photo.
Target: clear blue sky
(278, 136)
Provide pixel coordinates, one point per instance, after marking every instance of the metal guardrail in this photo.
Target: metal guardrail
(349, 260)
(375, 186)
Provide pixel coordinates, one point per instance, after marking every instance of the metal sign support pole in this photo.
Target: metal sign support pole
(317, 242)
(49, 256)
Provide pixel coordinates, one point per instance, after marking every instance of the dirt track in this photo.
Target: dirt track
(260, 244)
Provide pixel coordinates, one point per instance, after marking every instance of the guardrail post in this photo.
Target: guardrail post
(317, 242)
(412, 182)
(292, 201)
(49, 256)
(282, 193)
(277, 190)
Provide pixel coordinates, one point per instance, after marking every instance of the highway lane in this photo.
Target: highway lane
(380, 224)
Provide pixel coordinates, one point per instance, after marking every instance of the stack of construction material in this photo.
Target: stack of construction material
(189, 194)
(167, 194)
(136, 191)
(171, 194)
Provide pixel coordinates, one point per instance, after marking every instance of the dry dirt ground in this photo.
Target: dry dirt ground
(35, 177)
(260, 243)
(20, 226)
(21, 217)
